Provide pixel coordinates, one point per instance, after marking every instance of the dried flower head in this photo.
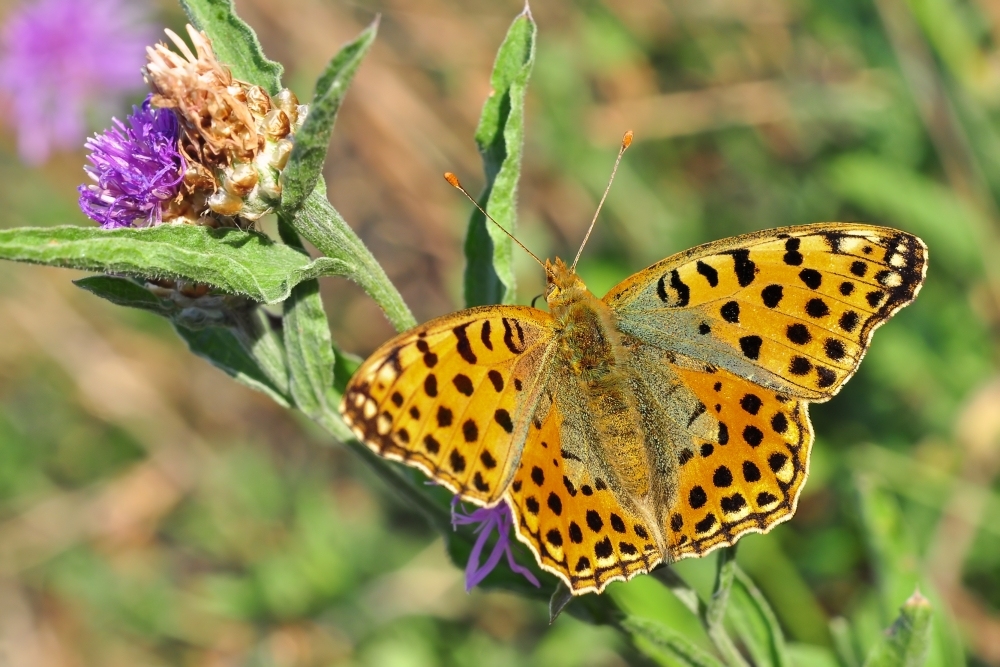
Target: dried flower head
(486, 520)
(236, 138)
(217, 121)
(136, 168)
(62, 57)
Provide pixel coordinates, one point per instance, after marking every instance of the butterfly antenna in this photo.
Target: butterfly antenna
(626, 142)
(453, 181)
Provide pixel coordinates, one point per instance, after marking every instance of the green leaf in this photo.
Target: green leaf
(309, 349)
(489, 271)
(561, 597)
(664, 640)
(221, 348)
(714, 613)
(234, 42)
(843, 642)
(756, 625)
(231, 260)
(907, 642)
(125, 292)
(305, 165)
(320, 224)
(810, 655)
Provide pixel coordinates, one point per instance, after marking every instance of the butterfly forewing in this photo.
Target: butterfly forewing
(453, 396)
(792, 308)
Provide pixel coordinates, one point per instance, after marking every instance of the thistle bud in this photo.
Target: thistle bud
(224, 203)
(276, 125)
(241, 179)
(289, 103)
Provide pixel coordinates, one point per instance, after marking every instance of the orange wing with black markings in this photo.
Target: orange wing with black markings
(792, 309)
(748, 478)
(571, 520)
(452, 396)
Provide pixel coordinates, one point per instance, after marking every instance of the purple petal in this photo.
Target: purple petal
(136, 168)
(486, 520)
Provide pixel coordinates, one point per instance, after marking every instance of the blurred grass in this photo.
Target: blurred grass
(153, 512)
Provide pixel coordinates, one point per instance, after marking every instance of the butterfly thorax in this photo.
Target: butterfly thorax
(592, 351)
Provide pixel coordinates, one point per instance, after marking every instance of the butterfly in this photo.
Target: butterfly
(659, 422)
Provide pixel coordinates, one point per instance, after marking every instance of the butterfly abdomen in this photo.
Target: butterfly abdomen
(592, 350)
(622, 441)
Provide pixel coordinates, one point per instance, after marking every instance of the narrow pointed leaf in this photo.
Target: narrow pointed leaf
(230, 260)
(489, 271)
(561, 597)
(305, 165)
(663, 640)
(234, 42)
(755, 624)
(714, 612)
(309, 347)
(125, 292)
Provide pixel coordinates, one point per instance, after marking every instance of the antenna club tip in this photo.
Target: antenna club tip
(627, 139)
(452, 179)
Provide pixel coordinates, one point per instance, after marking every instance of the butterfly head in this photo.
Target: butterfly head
(564, 285)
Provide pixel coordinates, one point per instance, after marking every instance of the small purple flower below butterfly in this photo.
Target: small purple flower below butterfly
(136, 168)
(496, 518)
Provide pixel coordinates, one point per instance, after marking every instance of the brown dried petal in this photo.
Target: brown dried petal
(213, 109)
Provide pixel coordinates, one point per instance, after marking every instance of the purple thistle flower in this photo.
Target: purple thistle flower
(489, 519)
(61, 57)
(136, 169)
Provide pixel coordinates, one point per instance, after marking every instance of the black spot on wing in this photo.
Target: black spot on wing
(750, 345)
(771, 295)
(811, 277)
(502, 417)
(496, 378)
(683, 291)
(745, 268)
(463, 384)
(792, 255)
(484, 335)
(711, 275)
(513, 335)
(464, 345)
(798, 333)
(730, 312)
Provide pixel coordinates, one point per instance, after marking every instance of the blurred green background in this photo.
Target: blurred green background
(152, 512)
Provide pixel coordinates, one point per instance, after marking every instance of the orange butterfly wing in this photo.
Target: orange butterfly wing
(570, 519)
(453, 397)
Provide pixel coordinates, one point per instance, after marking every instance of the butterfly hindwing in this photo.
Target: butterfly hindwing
(747, 476)
(569, 516)
(453, 396)
(792, 309)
